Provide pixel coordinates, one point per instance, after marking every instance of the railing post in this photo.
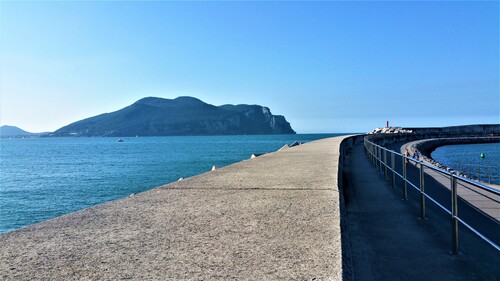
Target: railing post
(372, 150)
(489, 175)
(393, 158)
(422, 192)
(385, 164)
(369, 150)
(405, 190)
(374, 155)
(454, 215)
(380, 159)
(479, 172)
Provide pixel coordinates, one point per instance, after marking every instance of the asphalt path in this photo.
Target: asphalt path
(389, 240)
(469, 243)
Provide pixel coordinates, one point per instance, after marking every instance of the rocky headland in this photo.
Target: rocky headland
(181, 116)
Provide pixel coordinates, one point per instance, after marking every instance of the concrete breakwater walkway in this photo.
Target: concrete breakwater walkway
(275, 217)
(279, 216)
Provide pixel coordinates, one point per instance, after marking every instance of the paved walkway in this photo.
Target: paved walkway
(275, 217)
(390, 242)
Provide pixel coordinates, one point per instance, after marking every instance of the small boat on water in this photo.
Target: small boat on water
(120, 140)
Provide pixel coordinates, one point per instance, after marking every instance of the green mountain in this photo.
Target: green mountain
(181, 116)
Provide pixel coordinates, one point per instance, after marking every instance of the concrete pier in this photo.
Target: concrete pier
(280, 216)
(275, 217)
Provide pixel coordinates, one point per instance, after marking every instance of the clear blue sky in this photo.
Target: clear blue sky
(325, 66)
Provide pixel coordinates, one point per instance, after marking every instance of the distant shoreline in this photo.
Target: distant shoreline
(34, 136)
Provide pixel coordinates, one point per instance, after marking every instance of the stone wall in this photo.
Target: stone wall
(426, 147)
(345, 147)
(489, 130)
(432, 138)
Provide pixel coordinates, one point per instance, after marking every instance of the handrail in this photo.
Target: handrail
(475, 183)
(478, 165)
(484, 173)
(377, 152)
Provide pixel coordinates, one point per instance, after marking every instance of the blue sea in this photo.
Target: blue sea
(43, 178)
(467, 158)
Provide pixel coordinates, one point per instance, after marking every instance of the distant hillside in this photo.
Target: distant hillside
(12, 131)
(181, 116)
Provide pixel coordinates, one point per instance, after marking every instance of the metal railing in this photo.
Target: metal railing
(379, 155)
(484, 173)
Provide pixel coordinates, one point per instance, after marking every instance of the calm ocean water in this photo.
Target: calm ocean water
(466, 158)
(43, 178)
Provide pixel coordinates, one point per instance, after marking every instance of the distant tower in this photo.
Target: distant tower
(387, 124)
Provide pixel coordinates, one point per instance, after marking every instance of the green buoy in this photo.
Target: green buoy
(482, 156)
